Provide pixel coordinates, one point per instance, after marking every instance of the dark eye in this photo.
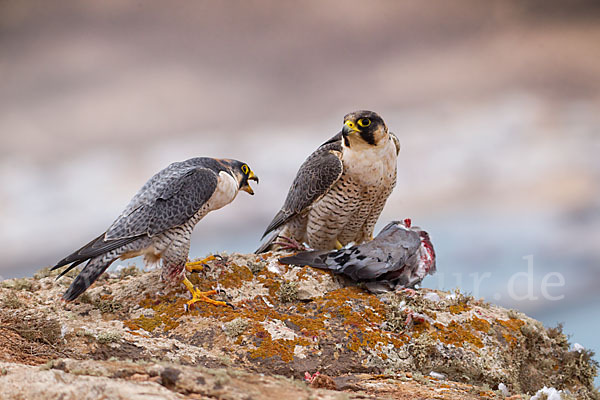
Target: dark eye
(245, 169)
(364, 122)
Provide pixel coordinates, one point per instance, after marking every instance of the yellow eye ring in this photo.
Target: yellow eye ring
(364, 122)
(245, 169)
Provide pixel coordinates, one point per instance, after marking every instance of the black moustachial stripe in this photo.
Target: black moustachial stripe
(368, 137)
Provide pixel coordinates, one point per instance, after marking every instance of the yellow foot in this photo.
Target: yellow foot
(198, 265)
(338, 245)
(197, 296)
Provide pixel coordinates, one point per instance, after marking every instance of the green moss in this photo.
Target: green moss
(459, 303)
(46, 272)
(106, 304)
(11, 300)
(256, 267)
(395, 319)
(108, 337)
(288, 292)
(131, 270)
(235, 328)
(85, 298)
(423, 350)
(34, 328)
(18, 284)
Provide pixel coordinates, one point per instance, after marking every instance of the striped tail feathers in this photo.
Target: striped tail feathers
(316, 259)
(95, 248)
(95, 253)
(266, 245)
(88, 275)
(76, 257)
(70, 267)
(281, 218)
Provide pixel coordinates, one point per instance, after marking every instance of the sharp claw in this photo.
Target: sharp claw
(198, 296)
(287, 243)
(220, 289)
(204, 266)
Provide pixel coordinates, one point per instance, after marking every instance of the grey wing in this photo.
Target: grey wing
(316, 176)
(315, 258)
(168, 199)
(388, 252)
(396, 142)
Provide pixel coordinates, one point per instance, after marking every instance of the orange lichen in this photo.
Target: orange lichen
(303, 273)
(166, 314)
(373, 340)
(235, 277)
(480, 324)
(419, 327)
(512, 324)
(459, 308)
(350, 309)
(343, 302)
(510, 339)
(268, 347)
(316, 273)
(456, 334)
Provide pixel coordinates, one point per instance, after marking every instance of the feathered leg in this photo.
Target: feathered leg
(175, 264)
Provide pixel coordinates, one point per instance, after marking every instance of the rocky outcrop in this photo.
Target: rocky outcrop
(295, 332)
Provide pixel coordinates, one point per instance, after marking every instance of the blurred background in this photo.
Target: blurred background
(496, 105)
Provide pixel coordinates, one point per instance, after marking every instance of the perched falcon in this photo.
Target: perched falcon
(341, 188)
(158, 222)
(399, 257)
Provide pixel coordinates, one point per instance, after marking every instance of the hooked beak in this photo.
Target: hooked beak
(251, 177)
(349, 127)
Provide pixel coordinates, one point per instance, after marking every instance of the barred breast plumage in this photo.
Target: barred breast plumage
(340, 190)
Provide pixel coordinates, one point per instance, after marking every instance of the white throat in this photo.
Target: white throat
(227, 189)
(370, 163)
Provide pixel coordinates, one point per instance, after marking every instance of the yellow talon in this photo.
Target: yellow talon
(198, 265)
(338, 245)
(197, 295)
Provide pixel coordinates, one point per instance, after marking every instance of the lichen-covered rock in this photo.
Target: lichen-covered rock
(287, 321)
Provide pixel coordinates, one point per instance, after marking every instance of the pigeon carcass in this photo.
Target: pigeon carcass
(400, 256)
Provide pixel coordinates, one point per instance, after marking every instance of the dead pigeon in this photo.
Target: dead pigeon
(399, 257)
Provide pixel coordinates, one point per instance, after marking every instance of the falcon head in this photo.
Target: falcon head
(242, 173)
(364, 126)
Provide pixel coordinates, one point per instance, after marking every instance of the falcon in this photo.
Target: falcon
(340, 189)
(158, 222)
(399, 257)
